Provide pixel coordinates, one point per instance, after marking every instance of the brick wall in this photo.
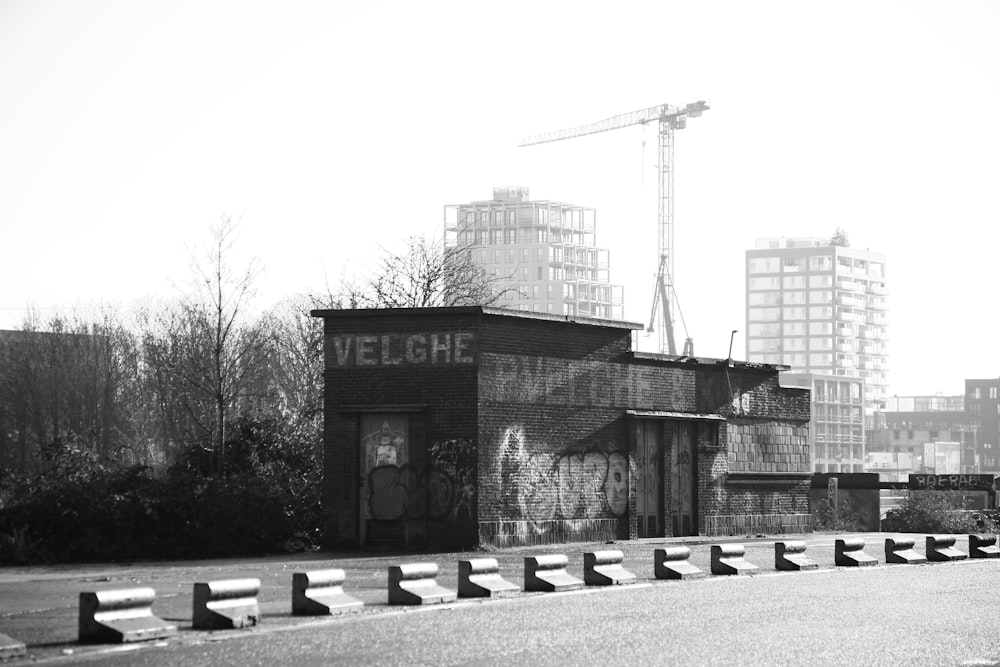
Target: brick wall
(553, 458)
(518, 432)
(431, 500)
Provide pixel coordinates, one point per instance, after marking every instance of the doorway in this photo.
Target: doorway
(683, 478)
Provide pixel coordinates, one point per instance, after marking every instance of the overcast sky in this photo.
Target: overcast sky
(127, 128)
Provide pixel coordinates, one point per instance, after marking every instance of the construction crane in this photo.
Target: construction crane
(670, 118)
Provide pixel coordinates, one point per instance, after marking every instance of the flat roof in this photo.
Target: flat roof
(470, 310)
(709, 361)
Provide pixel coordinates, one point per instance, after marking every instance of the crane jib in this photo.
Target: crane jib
(670, 118)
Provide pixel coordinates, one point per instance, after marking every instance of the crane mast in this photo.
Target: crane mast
(669, 119)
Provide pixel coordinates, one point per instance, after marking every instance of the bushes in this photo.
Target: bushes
(932, 512)
(82, 508)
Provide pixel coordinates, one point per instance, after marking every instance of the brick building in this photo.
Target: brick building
(458, 427)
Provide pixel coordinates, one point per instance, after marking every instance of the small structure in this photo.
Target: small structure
(604, 568)
(119, 616)
(672, 563)
(416, 584)
(548, 574)
(792, 556)
(228, 604)
(476, 426)
(480, 578)
(850, 552)
(900, 550)
(729, 559)
(321, 593)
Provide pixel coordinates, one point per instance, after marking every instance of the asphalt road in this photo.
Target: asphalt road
(939, 614)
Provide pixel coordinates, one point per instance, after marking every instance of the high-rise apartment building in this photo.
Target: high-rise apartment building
(837, 425)
(820, 308)
(545, 251)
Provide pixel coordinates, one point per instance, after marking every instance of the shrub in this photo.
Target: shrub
(931, 512)
(83, 508)
(845, 520)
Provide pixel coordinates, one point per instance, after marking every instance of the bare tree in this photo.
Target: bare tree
(428, 274)
(224, 349)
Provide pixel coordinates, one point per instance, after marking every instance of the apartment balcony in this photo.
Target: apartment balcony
(878, 303)
(850, 301)
(878, 290)
(850, 286)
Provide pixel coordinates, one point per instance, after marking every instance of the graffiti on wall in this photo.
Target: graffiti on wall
(570, 485)
(554, 381)
(445, 490)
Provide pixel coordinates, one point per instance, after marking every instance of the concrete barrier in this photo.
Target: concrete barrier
(480, 578)
(850, 552)
(321, 593)
(900, 550)
(548, 574)
(604, 568)
(672, 563)
(792, 556)
(941, 548)
(416, 583)
(225, 605)
(729, 559)
(11, 648)
(983, 546)
(126, 615)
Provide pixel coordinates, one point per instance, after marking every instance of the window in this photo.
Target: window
(795, 297)
(764, 314)
(993, 392)
(821, 328)
(771, 282)
(819, 344)
(764, 330)
(795, 264)
(823, 263)
(795, 360)
(821, 281)
(765, 344)
(817, 359)
(977, 393)
(795, 313)
(794, 328)
(820, 297)
(764, 298)
(795, 344)
(763, 265)
(794, 282)
(820, 312)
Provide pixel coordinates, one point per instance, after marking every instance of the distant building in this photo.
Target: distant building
(545, 250)
(983, 410)
(923, 434)
(819, 308)
(837, 426)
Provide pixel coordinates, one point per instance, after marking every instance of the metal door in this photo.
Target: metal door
(649, 476)
(683, 484)
(385, 451)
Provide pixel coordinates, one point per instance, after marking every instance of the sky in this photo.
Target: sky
(333, 130)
